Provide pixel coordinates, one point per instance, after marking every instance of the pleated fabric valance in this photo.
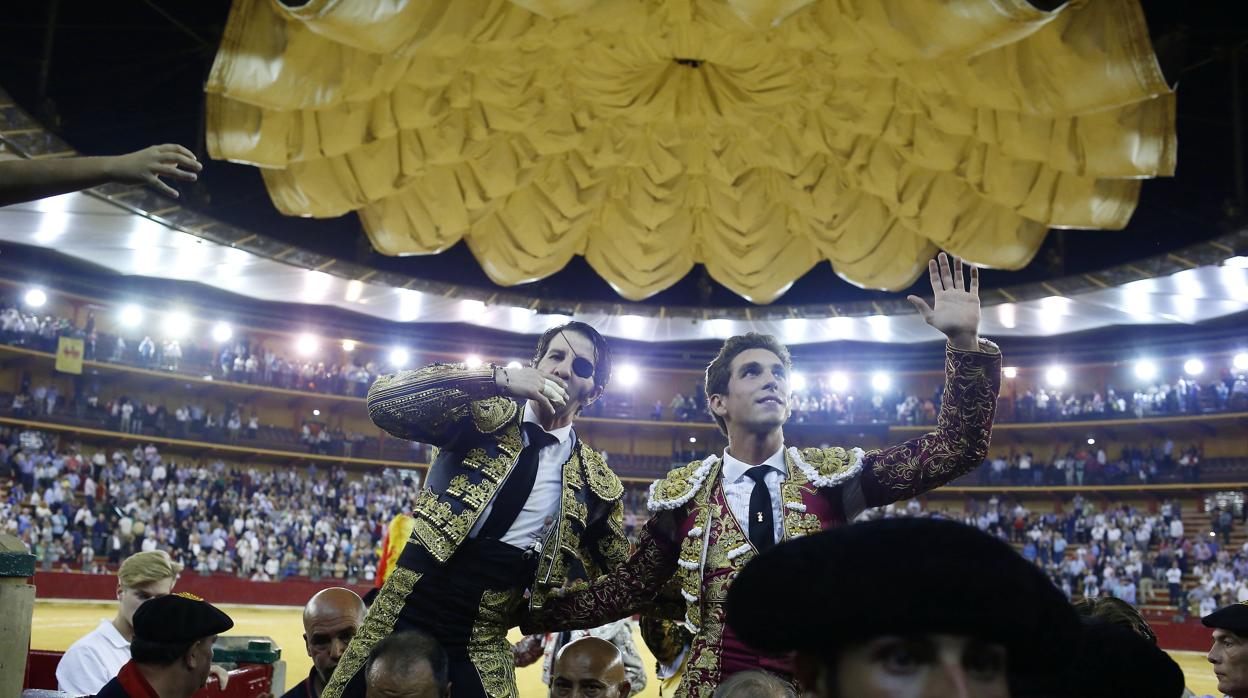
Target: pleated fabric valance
(756, 137)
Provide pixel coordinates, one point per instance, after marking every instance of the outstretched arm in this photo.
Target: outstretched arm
(972, 380)
(26, 180)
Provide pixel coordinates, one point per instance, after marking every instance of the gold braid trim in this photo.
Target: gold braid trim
(377, 624)
(488, 649)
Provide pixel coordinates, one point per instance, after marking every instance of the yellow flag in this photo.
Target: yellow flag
(69, 355)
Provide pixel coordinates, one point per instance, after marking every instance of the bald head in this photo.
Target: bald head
(330, 619)
(589, 666)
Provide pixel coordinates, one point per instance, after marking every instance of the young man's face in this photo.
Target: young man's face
(133, 597)
(758, 392)
(1229, 657)
(918, 666)
(557, 361)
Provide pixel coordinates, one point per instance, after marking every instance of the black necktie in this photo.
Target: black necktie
(762, 531)
(516, 489)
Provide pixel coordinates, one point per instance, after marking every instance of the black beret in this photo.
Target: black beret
(179, 618)
(1233, 618)
(901, 576)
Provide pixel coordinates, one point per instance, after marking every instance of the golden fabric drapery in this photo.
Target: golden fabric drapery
(756, 137)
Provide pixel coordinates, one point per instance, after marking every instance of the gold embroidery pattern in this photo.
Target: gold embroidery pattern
(438, 528)
(379, 623)
(492, 414)
(424, 404)
(488, 648)
(963, 431)
(677, 483)
(602, 481)
(828, 461)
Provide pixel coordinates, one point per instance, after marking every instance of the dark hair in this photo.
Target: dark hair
(720, 369)
(406, 650)
(602, 352)
(1115, 611)
(159, 653)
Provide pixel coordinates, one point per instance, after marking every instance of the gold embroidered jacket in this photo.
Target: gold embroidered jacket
(693, 539)
(478, 435)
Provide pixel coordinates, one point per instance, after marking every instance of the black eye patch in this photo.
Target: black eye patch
(582, 367)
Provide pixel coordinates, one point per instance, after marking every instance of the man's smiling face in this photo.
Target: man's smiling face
(758, 392)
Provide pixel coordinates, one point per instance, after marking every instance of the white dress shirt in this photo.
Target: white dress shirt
(543, 501)
(738, 487)
(92, 661)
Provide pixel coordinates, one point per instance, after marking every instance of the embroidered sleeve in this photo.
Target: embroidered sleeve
(607, 545)
(617, 594)
(528, 650)
(430, 403)
(957, 446)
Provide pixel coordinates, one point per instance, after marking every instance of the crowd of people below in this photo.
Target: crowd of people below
(1115, 550)
(1091, 464)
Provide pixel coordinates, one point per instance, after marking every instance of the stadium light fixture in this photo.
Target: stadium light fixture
(1145, 370)
(1055, 376)
(348, 345)
(131, 316)
(628, 375)
(1010, 371)
(1091, 442)
(1240, 362)
(398, 357)
(177, 324)
(1194, 367)
(838, 381)
(880, 381)
(35, 298)
(473, 361)
(307, 344)
(316, 413)
(797, 382)
(693, 439)
(514, 364)
(222, 332)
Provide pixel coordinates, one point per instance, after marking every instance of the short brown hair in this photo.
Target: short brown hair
(1115, 611)
(719, 371)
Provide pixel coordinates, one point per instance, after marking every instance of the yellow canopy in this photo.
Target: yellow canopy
(756, 137)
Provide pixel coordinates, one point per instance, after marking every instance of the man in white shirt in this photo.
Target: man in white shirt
(96, 657)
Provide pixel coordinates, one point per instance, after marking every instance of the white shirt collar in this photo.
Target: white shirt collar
(562, 433)
(113, 635)
(734, 469)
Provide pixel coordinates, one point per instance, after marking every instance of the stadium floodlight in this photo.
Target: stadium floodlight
(131, 316)
(1055, 376)
(221, 332)
(514, 364)
(1194, 367)
(473, 361)
(880, 381)
(1010, 371)
(1240, 362)
(1091, 441)
(838, 381)
(307, 344)
(35, 298)
(177, 324)
(693, 439)
(316, 413)
(1145, 370)
(628, 375)
(348, 345)
(797, 381)
(399, 357)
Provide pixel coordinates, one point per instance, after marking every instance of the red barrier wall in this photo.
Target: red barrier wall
(1189, 635)
(292, 591)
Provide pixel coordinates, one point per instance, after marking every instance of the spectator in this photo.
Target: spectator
(409, 664)
(1229, 654)
(172, 649)
(754, 684)
(330, 619)
(589, 666)
(96, 657)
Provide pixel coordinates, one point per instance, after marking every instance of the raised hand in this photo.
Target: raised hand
(549, 392)
(955, 308)
(147, 166)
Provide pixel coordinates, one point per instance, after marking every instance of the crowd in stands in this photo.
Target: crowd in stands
(252, 362)
(1116, 550)
(80, 508)
(1092, 465)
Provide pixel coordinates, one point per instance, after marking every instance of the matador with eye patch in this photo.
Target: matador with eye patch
(710, 517)
(514, 506)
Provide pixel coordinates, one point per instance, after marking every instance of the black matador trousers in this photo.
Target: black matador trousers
(468, 605)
